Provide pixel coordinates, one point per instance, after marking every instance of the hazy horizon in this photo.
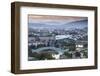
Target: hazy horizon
(56, 22)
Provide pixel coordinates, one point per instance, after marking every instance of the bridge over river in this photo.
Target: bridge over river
(59, 50)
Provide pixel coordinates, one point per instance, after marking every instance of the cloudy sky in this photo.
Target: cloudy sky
(53, 19)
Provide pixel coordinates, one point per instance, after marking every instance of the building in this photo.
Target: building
(81, 45)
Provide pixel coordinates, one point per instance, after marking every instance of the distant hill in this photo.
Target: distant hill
(78, 24)
(68, 26)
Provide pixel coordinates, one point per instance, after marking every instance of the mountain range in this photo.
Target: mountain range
(63, 25)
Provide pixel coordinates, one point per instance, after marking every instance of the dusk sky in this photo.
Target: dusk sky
(42, 18)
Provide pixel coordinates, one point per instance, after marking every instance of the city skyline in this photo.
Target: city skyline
(57, 37)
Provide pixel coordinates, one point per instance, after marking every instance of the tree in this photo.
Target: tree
(30, 52)
(68, 55)
(44, 56)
